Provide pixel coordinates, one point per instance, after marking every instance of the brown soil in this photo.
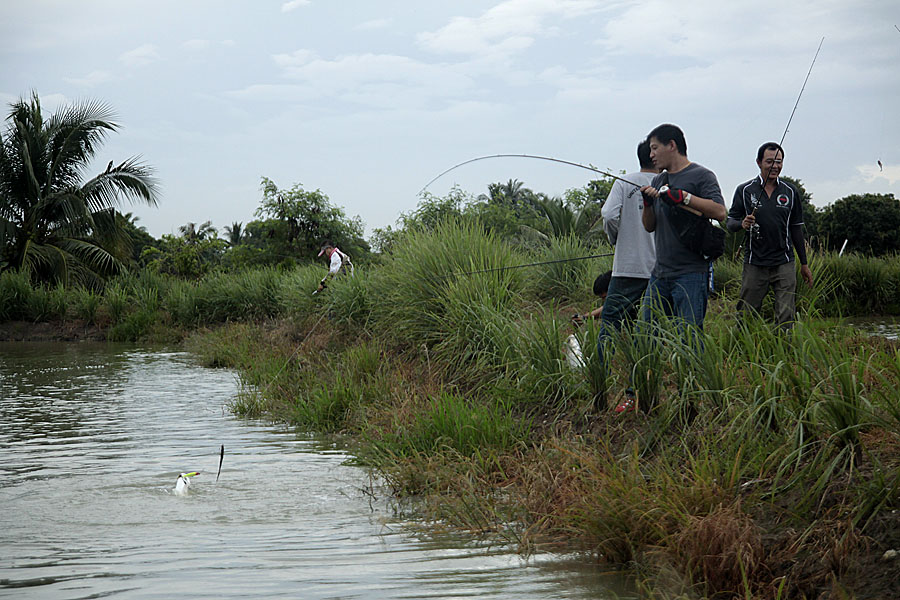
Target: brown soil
(56, 331)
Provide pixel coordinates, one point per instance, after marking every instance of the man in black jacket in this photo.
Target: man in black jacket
(771, 212)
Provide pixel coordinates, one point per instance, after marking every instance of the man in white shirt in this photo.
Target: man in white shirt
(635, 247)
(337, 261)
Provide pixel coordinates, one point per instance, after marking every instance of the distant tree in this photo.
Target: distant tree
(565, 219)
(185, 257)
(234, 233)
(54, 224)
(870, 223)
(296, 222)
(194, 234)
(592, 194)
(513, 195)
(140, 238)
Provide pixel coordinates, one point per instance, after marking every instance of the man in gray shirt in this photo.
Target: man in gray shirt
(679, 283)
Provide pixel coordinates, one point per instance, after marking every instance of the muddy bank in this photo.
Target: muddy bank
(56, 331)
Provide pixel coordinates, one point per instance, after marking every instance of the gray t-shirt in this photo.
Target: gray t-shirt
(672, 257)
(635, 247)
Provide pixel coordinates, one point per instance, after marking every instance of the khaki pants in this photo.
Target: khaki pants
(755, 284)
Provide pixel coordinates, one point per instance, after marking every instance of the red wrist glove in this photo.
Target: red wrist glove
(673, 196)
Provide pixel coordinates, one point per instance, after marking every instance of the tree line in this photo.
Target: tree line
(63, 227)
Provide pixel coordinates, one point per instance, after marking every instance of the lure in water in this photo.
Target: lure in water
(184, 483)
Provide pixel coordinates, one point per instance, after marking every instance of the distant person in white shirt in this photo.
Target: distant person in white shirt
(338, 261)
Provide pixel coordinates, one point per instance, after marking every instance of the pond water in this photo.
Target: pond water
(887, 327)
(92, 439)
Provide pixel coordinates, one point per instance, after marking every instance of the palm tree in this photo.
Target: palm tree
(194, 234)
(234, 233)
(564, 219)
(52, 223)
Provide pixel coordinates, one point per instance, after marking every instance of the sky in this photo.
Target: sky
(368, 101)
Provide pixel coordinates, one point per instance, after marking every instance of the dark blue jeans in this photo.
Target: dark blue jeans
(683, 297)
(621, 305)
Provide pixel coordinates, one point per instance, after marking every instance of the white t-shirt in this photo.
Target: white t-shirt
(635, 247)
(336, 261)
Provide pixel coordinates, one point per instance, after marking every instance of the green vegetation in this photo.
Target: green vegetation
(54, 225)
(759, 464)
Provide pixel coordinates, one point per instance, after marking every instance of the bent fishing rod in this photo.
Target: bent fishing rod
(557, 160)
(537, 156)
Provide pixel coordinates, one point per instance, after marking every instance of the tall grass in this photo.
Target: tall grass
(428, 294)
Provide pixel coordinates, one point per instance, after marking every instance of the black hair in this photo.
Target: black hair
(768, 146)
(643, 154)
(666, 133)
(601, 284)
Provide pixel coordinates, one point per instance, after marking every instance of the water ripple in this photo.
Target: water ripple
(92, 439)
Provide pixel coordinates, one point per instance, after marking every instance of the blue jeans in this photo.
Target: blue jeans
(683, 297)
(621, 306)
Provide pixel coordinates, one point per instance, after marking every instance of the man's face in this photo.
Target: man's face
(661, 154)
(770, 165)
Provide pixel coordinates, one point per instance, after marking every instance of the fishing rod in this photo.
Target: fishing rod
(537, 156)
(754, 228)
(534, 264)
(783, 135)
(558, 160)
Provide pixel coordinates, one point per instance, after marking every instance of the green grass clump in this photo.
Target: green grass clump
(466, 427)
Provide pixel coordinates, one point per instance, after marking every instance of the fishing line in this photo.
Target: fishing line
(534, 264)
(296, 350)
(537, 156)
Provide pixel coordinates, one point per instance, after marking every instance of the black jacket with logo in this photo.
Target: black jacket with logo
(775, 215)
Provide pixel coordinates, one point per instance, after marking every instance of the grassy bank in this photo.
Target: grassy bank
(759, 466)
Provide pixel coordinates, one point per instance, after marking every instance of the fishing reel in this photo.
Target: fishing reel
(754, 229)
(754, 232)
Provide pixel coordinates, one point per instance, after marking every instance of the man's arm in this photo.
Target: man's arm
(709, 208)
(650, 195)
(738, 212)
(612, 211)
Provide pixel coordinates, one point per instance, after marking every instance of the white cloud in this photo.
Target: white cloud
(375, 24)
(199, 45)
(92, 79)
(273, 93)
(381, 80)
(872, 173)
(293, 5)
(507, 28)
(140, 56)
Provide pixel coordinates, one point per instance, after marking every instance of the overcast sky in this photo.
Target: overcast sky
(367, 101)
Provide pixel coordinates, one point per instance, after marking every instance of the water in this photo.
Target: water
(886, 327)
(92, 438)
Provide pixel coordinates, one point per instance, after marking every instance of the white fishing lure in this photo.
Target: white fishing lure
(184, 483)
(574, 356)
